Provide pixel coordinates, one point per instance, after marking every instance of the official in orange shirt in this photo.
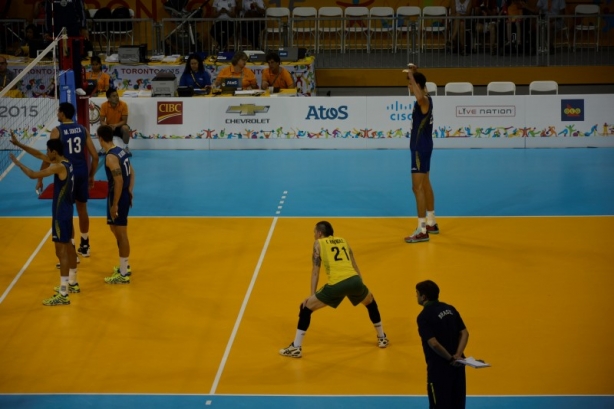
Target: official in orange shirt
(237, 69)
(276, 76)
(115, 114)
(103, 80)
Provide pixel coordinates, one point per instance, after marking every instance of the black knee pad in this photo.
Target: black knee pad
(374, 312)
(304, 318)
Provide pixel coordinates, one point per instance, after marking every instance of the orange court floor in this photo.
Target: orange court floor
(210, 317)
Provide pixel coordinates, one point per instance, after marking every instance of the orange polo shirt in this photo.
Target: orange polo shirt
(104, 80)
(283, 80)
(113, 114)
(249, 78)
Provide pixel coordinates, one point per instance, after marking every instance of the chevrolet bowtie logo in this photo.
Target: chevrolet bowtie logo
(248, 109)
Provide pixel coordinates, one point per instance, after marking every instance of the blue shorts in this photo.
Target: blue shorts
(123, 208)
(61, 230)
(421, 161)
(81, 188)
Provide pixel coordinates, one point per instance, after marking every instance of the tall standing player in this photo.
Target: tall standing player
(61, 213)
(421, 148)
(77, 145)
(121, 184)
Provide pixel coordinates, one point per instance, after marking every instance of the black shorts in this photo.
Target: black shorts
(123, 209)
(81, 187)
(61, 229)
(421, 161)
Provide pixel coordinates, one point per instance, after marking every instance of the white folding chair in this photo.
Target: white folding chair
(589, 24)
(544, 87)
(431, 87)
(276, 18)
(459, 88)
(501, 87)
(305, 27)
(434, 27)
(381, 28)
(330, 28)
(408, 27)
(356, 28)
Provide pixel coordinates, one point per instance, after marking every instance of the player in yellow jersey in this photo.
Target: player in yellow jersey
(344, 280)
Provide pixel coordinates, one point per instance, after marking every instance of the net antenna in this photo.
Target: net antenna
(31, 103)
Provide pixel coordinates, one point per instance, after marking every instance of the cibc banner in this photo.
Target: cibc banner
(366, 122)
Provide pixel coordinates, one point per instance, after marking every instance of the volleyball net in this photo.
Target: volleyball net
(29, 103)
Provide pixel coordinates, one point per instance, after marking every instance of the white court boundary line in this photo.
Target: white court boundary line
(248, 293)
(25, 266)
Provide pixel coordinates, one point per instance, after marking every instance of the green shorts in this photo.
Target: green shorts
(352, 288)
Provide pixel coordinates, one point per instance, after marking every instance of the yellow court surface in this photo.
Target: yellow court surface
(212, 300)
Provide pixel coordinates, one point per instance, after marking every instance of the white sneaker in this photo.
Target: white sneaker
(291, 351)
(382, 342)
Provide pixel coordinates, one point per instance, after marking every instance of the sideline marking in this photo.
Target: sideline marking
(25, 266)
(248, 293)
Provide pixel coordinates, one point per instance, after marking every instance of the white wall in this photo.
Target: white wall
(369, 122)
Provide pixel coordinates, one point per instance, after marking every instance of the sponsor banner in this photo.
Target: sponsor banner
(181, 118)
(374, 122)
(26, 116)
(170, 112)
(558, 120)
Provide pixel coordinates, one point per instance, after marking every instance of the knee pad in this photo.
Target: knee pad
(304, 318)
(374, 312)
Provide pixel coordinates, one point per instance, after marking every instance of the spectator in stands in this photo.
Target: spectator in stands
(31, 34)
(460, 8)
(194, 75)
(514, 12)
(488, 25)
(38, 13)
(276, 76)
(6, 75)
(251, 29)
(96, 76)
(65, 13)
(237, 69)
(114, 113)
(551, 9)
(224, 28)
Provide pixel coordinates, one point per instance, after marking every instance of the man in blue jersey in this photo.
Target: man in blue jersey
(444, 338)
(421, 148)
(78, 149)
(121, 184)
(61, 210)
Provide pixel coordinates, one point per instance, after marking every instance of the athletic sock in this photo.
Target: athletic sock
(64, 285)
(430, 218)
(123, 265)
(298, 338)
(72, 276)
(422, 224)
